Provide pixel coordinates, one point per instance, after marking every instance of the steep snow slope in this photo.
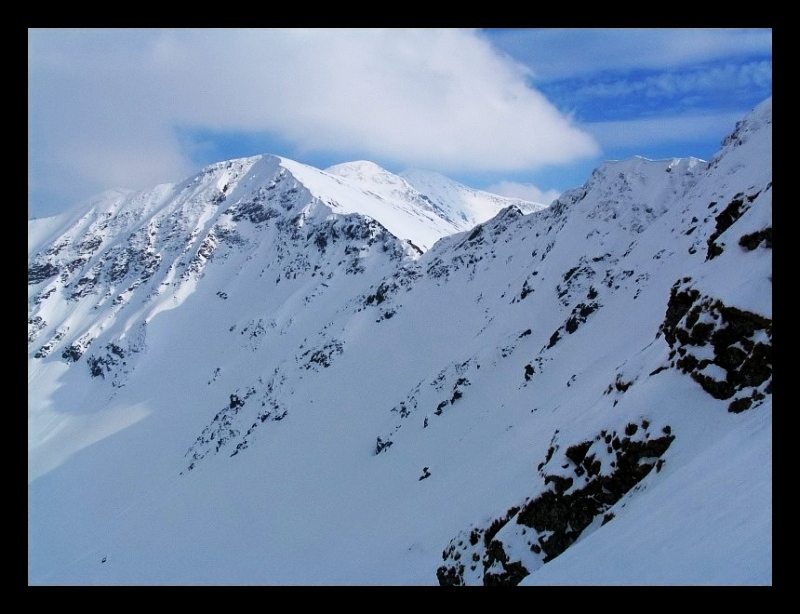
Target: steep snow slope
(464, 205)
(242, 379)
(461, 207)
(654, 296)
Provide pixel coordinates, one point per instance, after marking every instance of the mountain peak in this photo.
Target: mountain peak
(362, 169)
(754, 122)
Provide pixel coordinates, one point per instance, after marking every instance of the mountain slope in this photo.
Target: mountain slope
(242, 379)
(459, 206)
(471, 206)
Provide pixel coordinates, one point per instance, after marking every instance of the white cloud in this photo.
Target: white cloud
(104, 105)
(525, 191)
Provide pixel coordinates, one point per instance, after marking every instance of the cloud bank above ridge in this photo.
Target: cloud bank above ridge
(112, 108)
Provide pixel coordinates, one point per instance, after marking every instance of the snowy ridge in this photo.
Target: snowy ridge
(236, 379)
(453, 206)
(466, 206)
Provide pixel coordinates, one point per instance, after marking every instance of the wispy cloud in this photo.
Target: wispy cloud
(639, 134)
(565, 53)
(106, 108)
(705, 80)
(525, 191)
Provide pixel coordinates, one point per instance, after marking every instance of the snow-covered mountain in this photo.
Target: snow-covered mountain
(272, 374)
(460, 206)
(466, 206)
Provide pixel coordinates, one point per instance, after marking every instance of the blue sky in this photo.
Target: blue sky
(520, 112)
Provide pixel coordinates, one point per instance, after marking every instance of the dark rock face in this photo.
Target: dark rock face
(72, 353)
(35, 325)
(450, 576)
(741, 342)
(728, 217)
(323, 356)
(732, 212)
(255, 211)
(753, 240)
(513, 571)
(268, 202)
(40, 272)
(112, 356)
(381, 445)
(566, 515)
(45, 350)
(581, 489)
(229, 430)
(579, 315)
